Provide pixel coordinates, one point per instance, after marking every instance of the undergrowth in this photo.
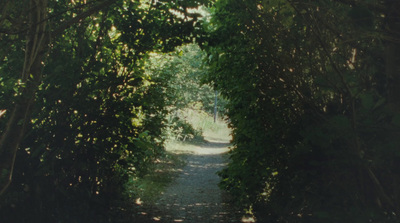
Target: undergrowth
(161, 173)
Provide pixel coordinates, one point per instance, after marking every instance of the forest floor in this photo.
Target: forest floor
(193, 194)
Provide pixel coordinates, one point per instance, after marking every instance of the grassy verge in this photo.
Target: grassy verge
(160, 175)
(204, 122)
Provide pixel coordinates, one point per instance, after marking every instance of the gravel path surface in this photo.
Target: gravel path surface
(195, 196)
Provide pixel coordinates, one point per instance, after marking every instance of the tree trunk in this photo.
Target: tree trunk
(36, 44)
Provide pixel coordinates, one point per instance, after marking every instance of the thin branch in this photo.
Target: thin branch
(81, 16)
(16, 32)
(4, 12)
(2, 112)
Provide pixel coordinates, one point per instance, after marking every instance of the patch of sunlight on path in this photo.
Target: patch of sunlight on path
(195, 196)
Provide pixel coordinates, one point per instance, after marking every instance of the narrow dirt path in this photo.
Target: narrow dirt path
(195, 196)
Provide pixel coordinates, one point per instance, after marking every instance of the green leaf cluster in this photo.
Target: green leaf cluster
(99, 115)
(181, 73)
(312, 103)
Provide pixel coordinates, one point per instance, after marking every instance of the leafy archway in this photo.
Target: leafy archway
(79, 114)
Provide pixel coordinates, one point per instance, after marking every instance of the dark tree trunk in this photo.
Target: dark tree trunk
(36, 44)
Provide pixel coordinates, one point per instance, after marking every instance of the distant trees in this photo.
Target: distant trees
(181, 73)
(312, 88)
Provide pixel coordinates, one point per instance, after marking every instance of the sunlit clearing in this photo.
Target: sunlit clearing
(138, 201)
(247, 219)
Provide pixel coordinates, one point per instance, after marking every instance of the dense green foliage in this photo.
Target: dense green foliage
(87, 88)
(313, 90)
(181, 72)
(98, 116)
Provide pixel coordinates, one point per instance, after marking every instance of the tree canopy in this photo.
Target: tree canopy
(312, 88)
(79, 114)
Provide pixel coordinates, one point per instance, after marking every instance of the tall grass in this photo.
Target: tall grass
(204, 122)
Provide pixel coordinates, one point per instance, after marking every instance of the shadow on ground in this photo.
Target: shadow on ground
(194, 196)
(211, 144)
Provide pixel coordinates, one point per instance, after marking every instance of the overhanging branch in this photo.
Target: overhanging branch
(81, 16)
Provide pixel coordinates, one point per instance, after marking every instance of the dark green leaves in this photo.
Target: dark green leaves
(312, 98)
(98, 116)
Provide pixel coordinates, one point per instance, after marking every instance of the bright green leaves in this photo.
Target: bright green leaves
(157, 24)
(99, 115)
(180, 73)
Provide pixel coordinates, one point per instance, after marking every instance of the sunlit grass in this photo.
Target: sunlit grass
(205, 122)
(180, 147)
